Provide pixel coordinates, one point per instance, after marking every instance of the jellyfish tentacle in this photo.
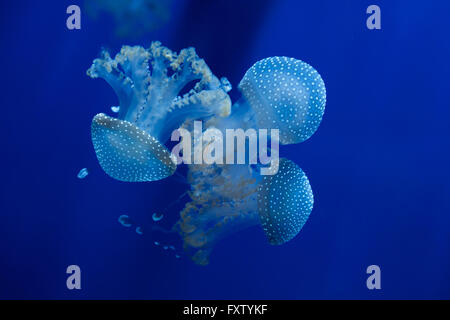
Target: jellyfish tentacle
(107, 69)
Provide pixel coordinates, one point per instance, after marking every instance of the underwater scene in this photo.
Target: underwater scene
(225, 149)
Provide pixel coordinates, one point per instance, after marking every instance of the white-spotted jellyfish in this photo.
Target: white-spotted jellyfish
(133, 18)
(148, 83)
(277, 93)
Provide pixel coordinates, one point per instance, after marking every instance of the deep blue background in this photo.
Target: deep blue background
(378, 164)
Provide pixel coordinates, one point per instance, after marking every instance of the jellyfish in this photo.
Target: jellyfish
(279, 93)
(133, 18)
(228, 199)
(148, 83)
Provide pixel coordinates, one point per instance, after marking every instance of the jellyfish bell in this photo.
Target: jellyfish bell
(285, 201)
(286, 94)
(127, 153)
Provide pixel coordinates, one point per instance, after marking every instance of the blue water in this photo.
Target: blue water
(378, 164)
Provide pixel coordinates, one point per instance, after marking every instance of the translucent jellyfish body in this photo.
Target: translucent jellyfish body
(83, 173)
(148, 85)
(278, 93)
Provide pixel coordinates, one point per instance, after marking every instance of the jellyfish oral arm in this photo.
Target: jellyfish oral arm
(202, 232)
(148, 84)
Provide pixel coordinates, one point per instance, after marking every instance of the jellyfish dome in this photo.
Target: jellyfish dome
(277, 93)
(287, 94)
(148, 83)
(133, 18)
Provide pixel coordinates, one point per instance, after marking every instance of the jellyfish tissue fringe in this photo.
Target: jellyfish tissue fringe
(277, 93)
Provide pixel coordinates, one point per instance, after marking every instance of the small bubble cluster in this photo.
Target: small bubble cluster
(285, 201)
(127, 153)
(285, 94)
